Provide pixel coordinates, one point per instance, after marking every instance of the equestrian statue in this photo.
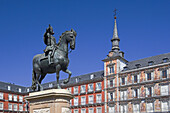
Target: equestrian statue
(54, 59)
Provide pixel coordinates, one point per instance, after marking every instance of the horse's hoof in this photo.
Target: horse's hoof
(58, 87)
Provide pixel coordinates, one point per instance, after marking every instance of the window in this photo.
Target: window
(111, 96)
(91, 110)
(76, 90)
(15, 107)
(83, 110)
(28, 90)
(123, 81)
(76, 111)
(15, 98)
(148, 76)
(83, 89)
(91, 76)
(50, 85)
(99, 110)
(91, 99)
(135, 93)
(77, 80)
(98, 86)
(76, 101)
(1, 106)
(10, 106)
(136, 108)
(164, 74)
(98, 98)
(164, 106)
(123, 109)
(149, 91)
(165, 60)
(83, 100)
(1, 95)
(9, 97)
(150, 63)
(149, 107)
(138, 65)
(111, 109)
(70, 102)
(90, 88)
(135, 78)
(164, 90)
(9, 87)
(19, 90)
(20, 99)
(112, 70)
(20, 107)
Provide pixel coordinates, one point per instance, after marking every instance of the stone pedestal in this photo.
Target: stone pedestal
(50, 101)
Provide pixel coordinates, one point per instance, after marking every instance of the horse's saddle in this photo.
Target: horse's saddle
(43, 57)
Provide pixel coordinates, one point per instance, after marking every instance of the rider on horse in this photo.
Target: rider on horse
(50, 41)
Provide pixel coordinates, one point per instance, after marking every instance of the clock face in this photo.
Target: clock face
(110, 54)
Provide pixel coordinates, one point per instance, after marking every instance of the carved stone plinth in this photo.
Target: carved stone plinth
(50, 101)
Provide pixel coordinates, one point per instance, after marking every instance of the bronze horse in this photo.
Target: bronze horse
(41, 66)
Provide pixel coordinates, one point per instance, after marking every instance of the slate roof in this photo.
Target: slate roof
(82, 79)
(13, 88)
(154, 60)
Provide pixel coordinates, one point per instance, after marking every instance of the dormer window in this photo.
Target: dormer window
(138, 65)
(77, 80)
(125, 68)
(165, 60)
(92, 76)
(150, 63)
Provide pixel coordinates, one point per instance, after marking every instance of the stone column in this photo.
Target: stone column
(50, 101)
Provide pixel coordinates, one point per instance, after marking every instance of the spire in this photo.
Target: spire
(115, 40)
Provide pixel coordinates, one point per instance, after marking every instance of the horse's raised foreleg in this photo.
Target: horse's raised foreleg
(58, 68)
(68, 79)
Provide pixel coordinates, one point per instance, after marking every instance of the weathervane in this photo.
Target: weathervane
(115, 13)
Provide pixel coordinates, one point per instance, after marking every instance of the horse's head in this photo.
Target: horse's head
(71, 38)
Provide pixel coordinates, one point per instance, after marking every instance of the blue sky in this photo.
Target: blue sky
(143, 28)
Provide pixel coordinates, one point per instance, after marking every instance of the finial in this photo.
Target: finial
(115, 13)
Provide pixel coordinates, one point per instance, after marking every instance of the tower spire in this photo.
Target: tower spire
(115, 39)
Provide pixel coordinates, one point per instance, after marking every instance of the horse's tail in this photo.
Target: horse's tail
(33, 80)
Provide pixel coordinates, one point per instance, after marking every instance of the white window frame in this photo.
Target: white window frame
(98, 100)
(9, 88)
(98, 88)
(15, 107)
(112, 109)
(19, 90)
(83, 100)
(1, 95)
(97, 110)
(1, 105)
(148, 108)
(164, 106)
(76, 91)
(76, 103)
(83, 111)
(10, 97)
(164, 91)
(15, 98)
(89, 88)
(20, 107)
(91, 101)
(20, 98)
(91, 109)
(76, 110)
(10, 106)
(83, 90)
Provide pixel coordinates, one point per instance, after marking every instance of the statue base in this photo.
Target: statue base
(50, 101)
